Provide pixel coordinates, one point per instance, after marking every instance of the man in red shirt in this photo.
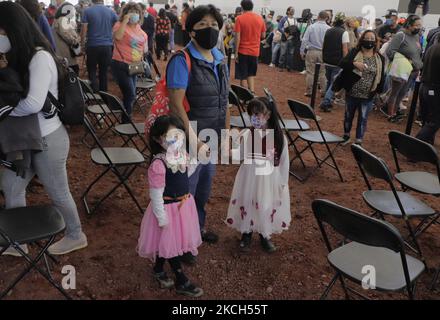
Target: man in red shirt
(152, 11)
(249, 31)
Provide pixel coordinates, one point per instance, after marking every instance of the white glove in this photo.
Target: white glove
(157, 204)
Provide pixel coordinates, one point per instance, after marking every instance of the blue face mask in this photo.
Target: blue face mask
(134, 18)
(389, 22)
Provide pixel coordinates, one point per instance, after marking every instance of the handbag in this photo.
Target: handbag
(134, 68)
(400, 68)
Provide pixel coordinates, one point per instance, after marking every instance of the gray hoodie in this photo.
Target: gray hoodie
(409, 46)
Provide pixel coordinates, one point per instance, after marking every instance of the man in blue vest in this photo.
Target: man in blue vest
(206, 87)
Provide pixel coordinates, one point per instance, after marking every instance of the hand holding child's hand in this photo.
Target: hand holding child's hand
(3, 61)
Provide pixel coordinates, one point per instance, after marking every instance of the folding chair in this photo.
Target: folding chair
(243, 120)
(120, 161)
(391, 203)
(127, 131)
(99, 111)
(301, 110)
(145, 85)
(31, 225)
(373, 243)
(243, 94)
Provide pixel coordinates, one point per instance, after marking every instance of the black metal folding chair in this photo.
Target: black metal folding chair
(120, 161)
(242, 121)
(243, 94)
(391, 203)
(373, 243)
(101, 115)
(303, 111)
(127, 131)
(145, 86)
(31, 225)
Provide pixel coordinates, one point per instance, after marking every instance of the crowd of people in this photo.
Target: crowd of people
(359, 63)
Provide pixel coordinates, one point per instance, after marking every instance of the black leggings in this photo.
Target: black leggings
(175, 266)
(161, 45)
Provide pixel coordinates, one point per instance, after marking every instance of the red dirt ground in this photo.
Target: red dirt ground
(110, 268)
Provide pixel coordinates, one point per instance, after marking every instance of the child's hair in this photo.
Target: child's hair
(263, 105)
(159, 128)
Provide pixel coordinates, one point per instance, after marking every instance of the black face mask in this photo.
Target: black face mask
(207, 38)
(367, 44)
(415, 31)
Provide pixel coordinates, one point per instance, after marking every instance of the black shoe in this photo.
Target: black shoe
(267, 245)
(188, 258)
(164, 281)
(326, 108)
(209, 237)
(189, 290)
(245, 243)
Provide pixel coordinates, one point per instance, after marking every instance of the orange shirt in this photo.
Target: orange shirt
(132, 46)
(250, 26)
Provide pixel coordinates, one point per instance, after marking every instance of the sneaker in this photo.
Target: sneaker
(402, 107)
(11, 251)
(326, 108)
(303, 72)
(67, 245)
(267, 245)
(395, 119)
(272, 65)
(346, 140)
(419, 123)
(358, 142)
(173, 51)
(245, 243)
(209, 237)
(307, 95)
(189, 290)
(339, 102)
(165, 282)
(384, 110)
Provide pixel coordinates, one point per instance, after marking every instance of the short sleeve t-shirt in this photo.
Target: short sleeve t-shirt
(132, 46)
(250, 26)
(345, 38)
(100, 21)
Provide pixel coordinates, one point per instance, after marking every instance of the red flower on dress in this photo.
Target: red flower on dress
(243, 213)
(273, 213)
(230, 221)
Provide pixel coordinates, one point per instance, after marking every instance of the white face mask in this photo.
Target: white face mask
(5, 44)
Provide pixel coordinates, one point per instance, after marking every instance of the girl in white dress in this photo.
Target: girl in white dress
(260, 199)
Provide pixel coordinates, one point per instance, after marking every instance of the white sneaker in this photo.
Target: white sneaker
(11, 251)
(339, 102)
(272, 65)
(303, 72)
(403, 107)
(67, 245)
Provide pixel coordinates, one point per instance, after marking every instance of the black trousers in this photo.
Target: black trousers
(162, 45)
(430, 112)
(98, 59)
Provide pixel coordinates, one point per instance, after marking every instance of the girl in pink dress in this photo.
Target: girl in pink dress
(170, 226)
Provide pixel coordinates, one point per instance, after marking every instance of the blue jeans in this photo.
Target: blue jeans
(50, 167)
(286, 55)
(363, 106)
(172, 39)
(127, 84)
(276, 48)
(200, 184)
(330, 73)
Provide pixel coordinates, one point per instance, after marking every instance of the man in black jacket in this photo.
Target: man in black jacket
(414, 4)
(149, 28)
(335, 47)
(430, 95)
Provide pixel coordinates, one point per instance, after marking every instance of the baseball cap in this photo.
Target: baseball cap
(391, 13)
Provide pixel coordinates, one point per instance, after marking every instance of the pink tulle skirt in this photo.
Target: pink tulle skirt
(181, 235)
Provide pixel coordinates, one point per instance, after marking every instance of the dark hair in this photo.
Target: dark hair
(323, 15)
(143, 7)
(151, 4)
(264, 105)
(97, 1)
(185, 5)
(411, 20)
(247, 5)
(167, 7)
(362, 38)
(32, 7)
(161, 127)
(288, 9)
(132, 6)
(25, 36)
(199, 13)
(162, 13)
